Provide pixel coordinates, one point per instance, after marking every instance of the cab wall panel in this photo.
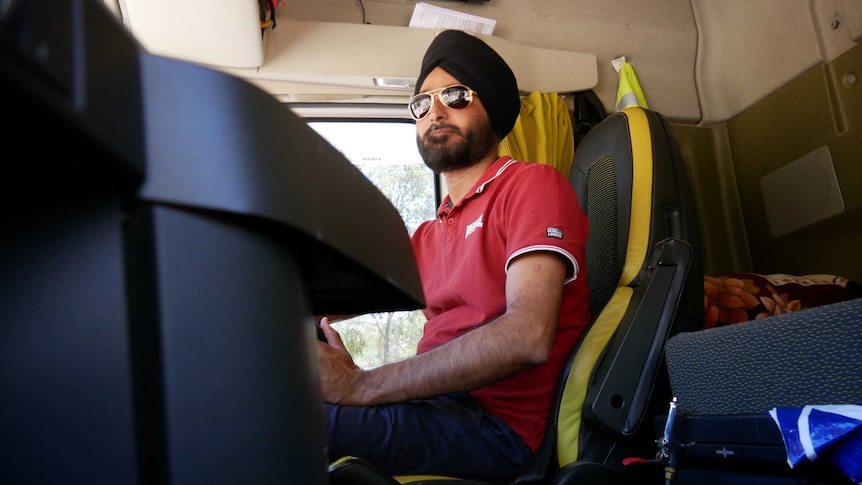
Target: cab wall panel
(821, 107)
(706, 152)
(737, 61)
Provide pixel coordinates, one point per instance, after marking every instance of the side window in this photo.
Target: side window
(385, 151)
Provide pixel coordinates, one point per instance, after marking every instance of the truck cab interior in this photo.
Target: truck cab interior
(170, 231)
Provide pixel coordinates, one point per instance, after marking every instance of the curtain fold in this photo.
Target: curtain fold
(543, 133)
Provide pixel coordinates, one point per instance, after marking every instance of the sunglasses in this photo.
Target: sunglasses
(453, 97)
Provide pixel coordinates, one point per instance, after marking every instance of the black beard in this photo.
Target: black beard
(469, 151)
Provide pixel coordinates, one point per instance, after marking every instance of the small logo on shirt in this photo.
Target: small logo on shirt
(554, 232)
(473, 226)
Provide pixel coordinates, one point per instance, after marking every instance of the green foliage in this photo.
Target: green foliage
(378, 338)
(409, 187)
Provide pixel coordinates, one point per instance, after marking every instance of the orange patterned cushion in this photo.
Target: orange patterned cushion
(741, 297)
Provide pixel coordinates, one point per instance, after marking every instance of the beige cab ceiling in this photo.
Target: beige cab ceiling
(698, 61)
(307, 60)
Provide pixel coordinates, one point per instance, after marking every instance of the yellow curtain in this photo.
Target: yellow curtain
(543, 133)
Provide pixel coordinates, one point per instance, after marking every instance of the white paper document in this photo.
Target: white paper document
(433, 17)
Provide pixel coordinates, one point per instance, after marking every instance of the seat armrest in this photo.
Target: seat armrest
(623, 381)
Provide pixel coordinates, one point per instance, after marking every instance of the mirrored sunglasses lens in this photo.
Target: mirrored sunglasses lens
(456, 97)
(420, 105)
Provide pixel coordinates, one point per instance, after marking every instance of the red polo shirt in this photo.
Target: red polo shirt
(463, 255)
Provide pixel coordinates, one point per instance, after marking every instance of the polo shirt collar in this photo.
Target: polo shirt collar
(492, 172)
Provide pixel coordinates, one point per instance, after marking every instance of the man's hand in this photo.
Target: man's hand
(338, 373)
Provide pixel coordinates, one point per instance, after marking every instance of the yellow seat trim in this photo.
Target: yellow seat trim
(419, 478)
(575, 391)
(642, 185)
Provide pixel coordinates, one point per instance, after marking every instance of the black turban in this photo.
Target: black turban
(475, 64)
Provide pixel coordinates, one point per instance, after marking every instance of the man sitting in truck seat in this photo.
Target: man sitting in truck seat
(502, 269)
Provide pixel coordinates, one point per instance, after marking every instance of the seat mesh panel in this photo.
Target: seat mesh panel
(602, 257)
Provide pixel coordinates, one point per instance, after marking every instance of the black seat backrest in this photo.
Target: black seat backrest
(633, 149)
(644, 272)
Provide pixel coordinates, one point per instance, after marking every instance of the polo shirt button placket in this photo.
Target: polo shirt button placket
(450, 221)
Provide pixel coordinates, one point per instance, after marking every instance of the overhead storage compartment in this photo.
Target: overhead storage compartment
(380, 57)
(302, 60)
(224, 33)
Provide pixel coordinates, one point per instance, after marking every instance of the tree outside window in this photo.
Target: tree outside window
(385, 151)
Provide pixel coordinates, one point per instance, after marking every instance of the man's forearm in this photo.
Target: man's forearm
(520, 338)
(478, 358)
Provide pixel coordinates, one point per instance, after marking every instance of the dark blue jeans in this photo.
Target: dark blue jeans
(448, 435)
